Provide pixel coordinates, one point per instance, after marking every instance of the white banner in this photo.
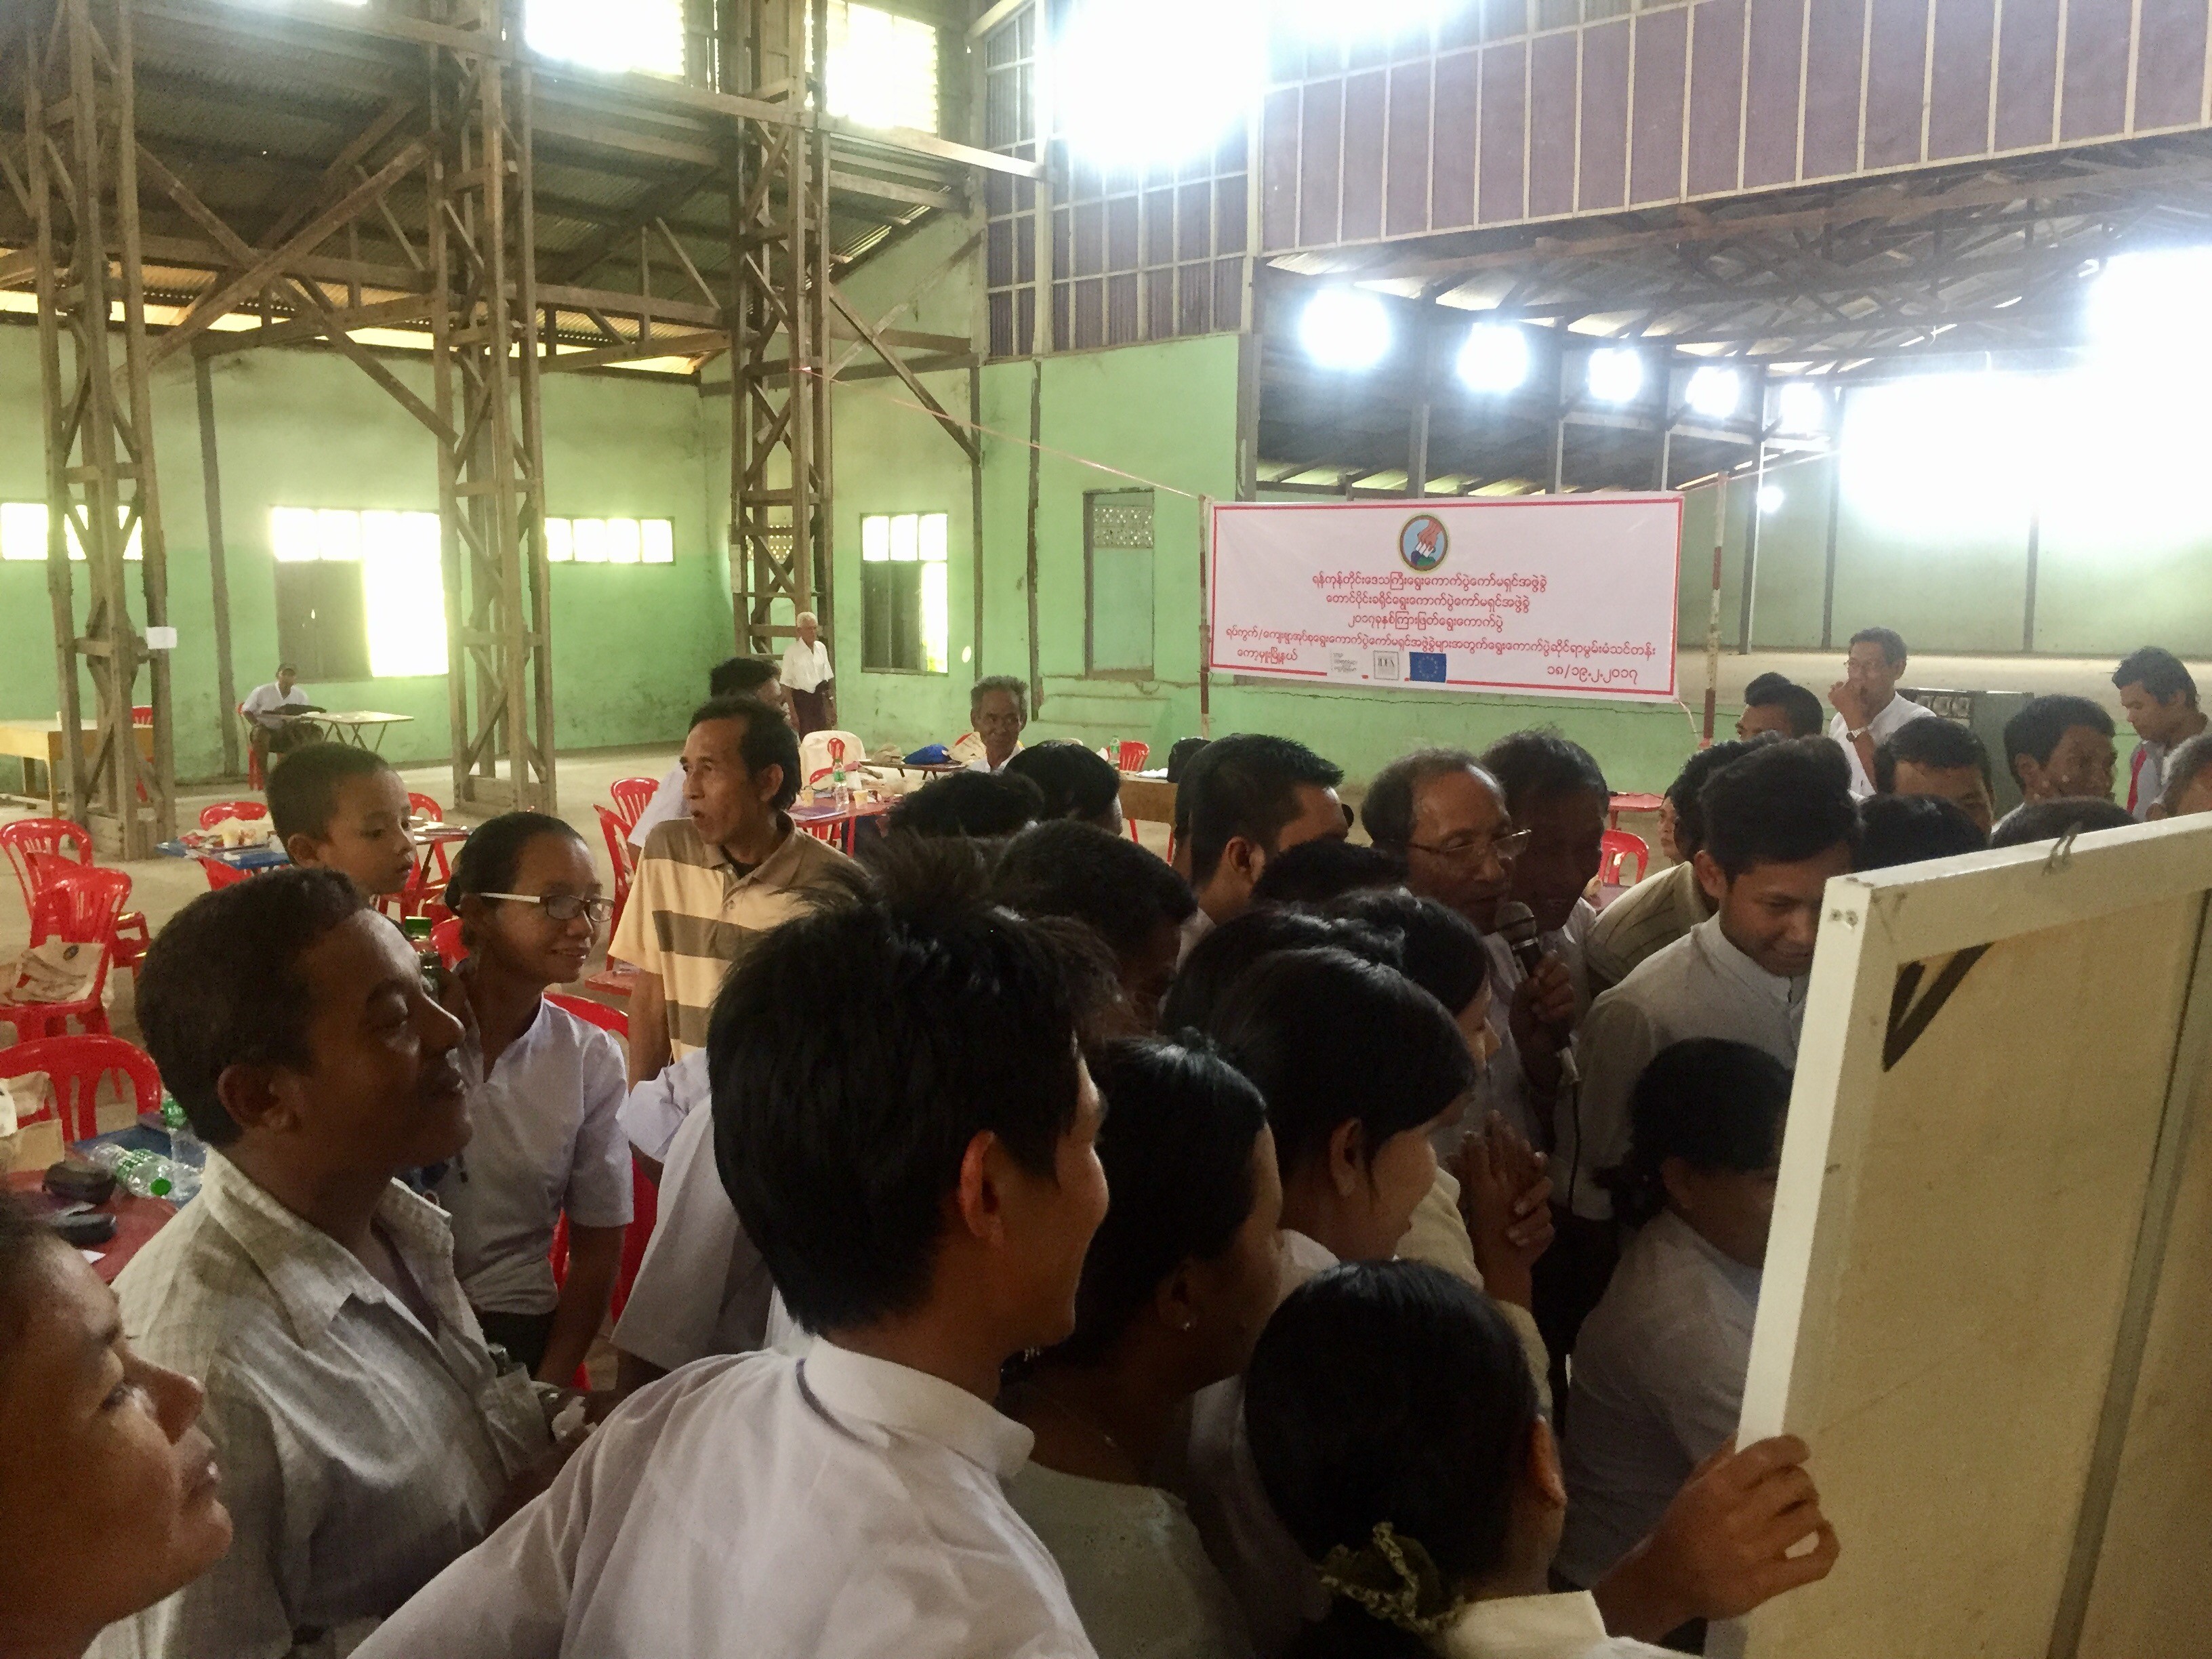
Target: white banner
(1565, 595)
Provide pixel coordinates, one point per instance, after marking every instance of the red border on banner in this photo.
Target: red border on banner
(1674, 626)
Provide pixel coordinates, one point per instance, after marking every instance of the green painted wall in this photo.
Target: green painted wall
(307, 429)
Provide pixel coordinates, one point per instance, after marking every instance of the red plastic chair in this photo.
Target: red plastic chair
(632, 796)
(1619, 847)
(446, 940)
(77, 904)
(61, 838)
(220, 875)
(141, 713)
(75, 1065)
(425, 806)
(606, 1019)
(253, 777)
(617, 835)
(1134, 754)
(246, 812)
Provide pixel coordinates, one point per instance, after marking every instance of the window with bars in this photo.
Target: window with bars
(23, 535)
(1010, 127)
(1117, 579)
(359, 595)
(610, 541)
(883, 68)
(905, 611)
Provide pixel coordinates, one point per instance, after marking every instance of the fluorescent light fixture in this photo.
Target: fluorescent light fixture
(1714, 393)
(1771, 498)
(1803, 407)
(1495, 357)
(1344, 328)
(1616, 374)
(1125, 101)
(2137, 298)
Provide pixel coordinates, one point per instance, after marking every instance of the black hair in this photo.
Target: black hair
(2182, 767)
(1247, 785)
(1178, 1151)
(1217, 961)
(303, 786)
(2042, 724)
(1388, 811)
(1185, 761)
(221, 985)
(1799, 707)
(1005, 683)
(1315, 872)
(1330, 1038)
(768, 740)
(967, 804)
(1714, 1104)
(1683, 794)
(1939, 745)
(2158, 672)
(1118, 890)
(1074, 782)
(1390, 1392)
(1438, 949)
(741, 677)
(23, 1233)
(1781, 804)
(2049, 820)
(1896, 830)
(855, 1051)
(1542, 762)
(1891, 641)
(1183, 752)
(490, 856)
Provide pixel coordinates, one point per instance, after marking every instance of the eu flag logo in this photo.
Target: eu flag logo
(1425, 666)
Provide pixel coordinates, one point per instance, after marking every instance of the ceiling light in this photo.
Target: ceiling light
(1123, 102)
(1803, 407)
(1495, 357)
(1616, 374)
(1714, 394)
(1344, 328)
(1771, 498)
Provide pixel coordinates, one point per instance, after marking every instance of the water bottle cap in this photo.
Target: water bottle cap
(159, 1187)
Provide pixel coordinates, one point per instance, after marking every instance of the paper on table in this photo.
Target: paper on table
(92, 1255)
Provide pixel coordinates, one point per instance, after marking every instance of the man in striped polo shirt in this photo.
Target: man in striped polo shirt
(712, 882)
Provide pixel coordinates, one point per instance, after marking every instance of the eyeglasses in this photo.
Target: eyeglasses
(562, 907)
(1504, 849)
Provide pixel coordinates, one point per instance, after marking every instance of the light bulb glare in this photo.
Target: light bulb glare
(1495, 357)
(1714, 394)
(1343, 328)
(1616, 374)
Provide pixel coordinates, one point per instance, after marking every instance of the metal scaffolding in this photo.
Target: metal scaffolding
(81, 181)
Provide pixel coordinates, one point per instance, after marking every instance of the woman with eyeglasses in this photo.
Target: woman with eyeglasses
(543, 1090)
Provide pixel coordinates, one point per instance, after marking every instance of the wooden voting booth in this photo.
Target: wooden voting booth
(1990, 1279)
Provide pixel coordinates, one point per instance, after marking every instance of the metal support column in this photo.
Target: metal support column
(484, 354)
(81, 129)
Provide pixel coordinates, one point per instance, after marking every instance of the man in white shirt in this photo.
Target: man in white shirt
(2159, 696)
(733, 677)
(808, 679)
(998, 713)
(902, 1120)
(1868, 707)
(1250, 797)
(365, 1433)
(1778, 823)
(268, 728)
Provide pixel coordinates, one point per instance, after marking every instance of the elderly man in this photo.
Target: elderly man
(807, 681)
(998, 709)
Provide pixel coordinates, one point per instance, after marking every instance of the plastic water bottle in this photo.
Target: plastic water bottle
(186, 1150)
(840, 791)
(149, 1175)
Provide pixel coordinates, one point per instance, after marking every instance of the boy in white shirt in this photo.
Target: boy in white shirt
(905, 1126)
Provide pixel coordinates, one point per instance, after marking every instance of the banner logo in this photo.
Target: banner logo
(1423, 543)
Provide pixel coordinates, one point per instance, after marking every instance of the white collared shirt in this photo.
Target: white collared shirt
(806, 667)
(545, 1141)
(263, 704)
(1538, 1627)
(667, 803)
(1898, 711)
(702, 1288)
(656, 1109)
(838, 1507)
(1504, 1087)
(1658, 1385)
(360, 1453)
(1700, 986)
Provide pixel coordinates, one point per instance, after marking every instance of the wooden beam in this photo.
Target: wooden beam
(218, 575)
(996, 15)
(381, 313)
(340, 169)
(953, 428)
(667, 346)
(616, 236)
(944, 268)
(587, 300)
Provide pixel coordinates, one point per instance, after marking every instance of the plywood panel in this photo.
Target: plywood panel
(1716, 128)
(1605, 116)
(2095, 98)
(1551, 125)
(1451, 202)
(1953, 1244)
(1408, 210)
(1958, 101)
(1320, 138)
(1362, 214)
(1897, 68)
(1662, 46)
(1504, 132)
(2170, 65)
(1837, 44)
(1279, 162)
(2028, 73)
(1774, 63)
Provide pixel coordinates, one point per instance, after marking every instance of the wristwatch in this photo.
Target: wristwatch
(1855, 736)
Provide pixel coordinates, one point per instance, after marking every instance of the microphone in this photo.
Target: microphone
(1516, 926)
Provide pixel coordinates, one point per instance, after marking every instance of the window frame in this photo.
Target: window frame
(920, 564)
(1091, 499)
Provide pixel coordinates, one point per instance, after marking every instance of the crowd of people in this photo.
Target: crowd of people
(1305, 1248)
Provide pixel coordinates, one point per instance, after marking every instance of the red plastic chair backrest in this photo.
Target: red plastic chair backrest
(220, 874)
(606, 1019)
(632, 796)
(78, 903)
(425, 807)
(1134, 754)
(1618, 847)
(76, 1064)
(446, 940)
(617, 835)
(246, 812)
(56, 837)
(141, 713)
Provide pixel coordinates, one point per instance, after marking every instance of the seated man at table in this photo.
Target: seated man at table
(366, 1435)
(733, 677)
(998, 709)
(713, 882)
(344, 809)
(269, 728)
